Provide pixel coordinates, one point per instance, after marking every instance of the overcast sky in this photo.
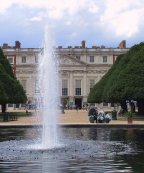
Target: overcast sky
(99, 22)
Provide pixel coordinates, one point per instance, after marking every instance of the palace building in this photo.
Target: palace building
(80, 68)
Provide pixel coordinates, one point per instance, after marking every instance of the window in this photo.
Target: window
(78, 91)
(23, 59)
(114, 58)
(91, 58)
(37, 90)
(36, 59)
(23, 105)
(104, 59)
(64, 91)
(17, 105)
(92, 82)
(112, 104)
(10, 105)
(23, 82)
(78, 57)
(10, 60)
(78, 87)
(105, 104)
(64, 87)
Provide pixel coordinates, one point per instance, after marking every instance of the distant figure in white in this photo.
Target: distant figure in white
(107, 117)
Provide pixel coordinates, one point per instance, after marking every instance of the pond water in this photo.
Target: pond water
(82, 150)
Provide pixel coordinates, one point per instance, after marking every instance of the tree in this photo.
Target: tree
(5, 63)
(3, 95)
(11, 91)
(114, 91)
(126, 82)
(96, 94)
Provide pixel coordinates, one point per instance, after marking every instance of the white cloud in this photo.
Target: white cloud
(68, 22)
(74, 34)
(35, 19)
(93, 8)
(123, 17)
(72, 20)
(55, 8)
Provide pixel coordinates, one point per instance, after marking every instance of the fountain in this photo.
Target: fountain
(88, 149)
(98, 150)
(49, 93)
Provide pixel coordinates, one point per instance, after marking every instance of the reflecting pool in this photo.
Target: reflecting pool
(82, 150)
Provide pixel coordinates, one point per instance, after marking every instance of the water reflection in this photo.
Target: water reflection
(82, 150)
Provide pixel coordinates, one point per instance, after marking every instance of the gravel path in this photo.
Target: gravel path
(70, 117)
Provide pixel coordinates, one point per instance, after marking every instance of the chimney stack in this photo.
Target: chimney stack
(5, 46)
(83, 43)
(17, 45)
(122, 44)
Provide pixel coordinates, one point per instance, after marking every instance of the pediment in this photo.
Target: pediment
(70, 61)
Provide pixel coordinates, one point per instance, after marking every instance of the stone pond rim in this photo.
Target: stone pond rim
(76, 126)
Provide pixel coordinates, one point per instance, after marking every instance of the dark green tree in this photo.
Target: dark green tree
(5, 63)
(126, 82)
(113, 91)
(96, 94)
(3, 95)
(11, 91)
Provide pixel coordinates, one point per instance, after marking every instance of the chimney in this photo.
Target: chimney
(5, 46)
(83, 43)
(122, 44)
(17, 45)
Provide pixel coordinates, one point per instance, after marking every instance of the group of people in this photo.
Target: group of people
(98, 116)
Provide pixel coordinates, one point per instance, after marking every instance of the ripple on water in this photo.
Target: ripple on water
(69, 149)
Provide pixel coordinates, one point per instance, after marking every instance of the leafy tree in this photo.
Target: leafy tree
(3, 95)
(11, 90)
(6, 64)
(96, 94)
(126, 81)
(114, 91)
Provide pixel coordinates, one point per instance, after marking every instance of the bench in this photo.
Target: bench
(12, 116)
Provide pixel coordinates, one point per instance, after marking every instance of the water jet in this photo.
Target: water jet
(96, 150)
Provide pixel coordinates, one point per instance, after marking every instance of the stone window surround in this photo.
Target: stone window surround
(91, 60)
(23, 59)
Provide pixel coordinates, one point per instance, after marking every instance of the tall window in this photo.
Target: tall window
(78, 57)
(78, 87)
(10, 59)
(114, 58)
(105, 104)
(23, 59)
(37, 90)
(104, 59)
(64, 87)
(91, 58)
(92, 82)
(10, 105)
(112, 104)
(36, 59)
(23, 82)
